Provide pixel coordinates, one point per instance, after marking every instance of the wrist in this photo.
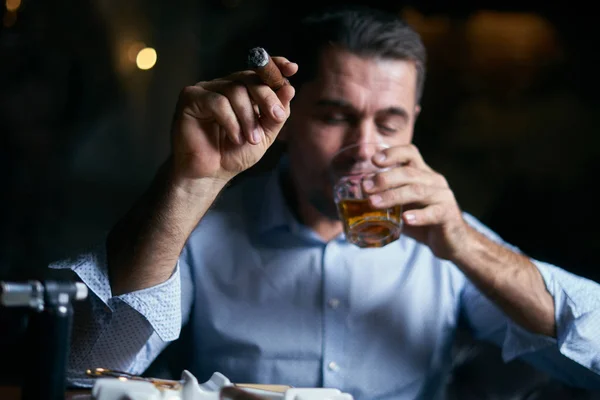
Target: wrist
(196, 189)
(182, 199)
(469, 244)
(193, 187)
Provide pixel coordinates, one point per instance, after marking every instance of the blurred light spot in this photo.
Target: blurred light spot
(133, 50)
(13, 5)
(518, 37)
(146, 58)
(10, 18)
(430, 27)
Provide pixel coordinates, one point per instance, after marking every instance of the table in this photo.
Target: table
(14, 393)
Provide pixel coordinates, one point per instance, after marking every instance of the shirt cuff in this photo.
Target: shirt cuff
(160, 304)
(577, 316)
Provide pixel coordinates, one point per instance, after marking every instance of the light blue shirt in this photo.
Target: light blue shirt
(268, 301)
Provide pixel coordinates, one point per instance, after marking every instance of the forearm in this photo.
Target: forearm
(510, 280)
(144, 246)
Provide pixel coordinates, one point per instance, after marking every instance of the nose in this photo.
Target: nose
(364, 135)
(365, 151)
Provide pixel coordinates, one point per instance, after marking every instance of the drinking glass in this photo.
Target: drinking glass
(364, 225)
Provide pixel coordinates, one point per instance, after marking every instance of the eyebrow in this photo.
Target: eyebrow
(401, 112)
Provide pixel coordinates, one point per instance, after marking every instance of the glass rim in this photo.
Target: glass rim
(350, 146)
(337, 174)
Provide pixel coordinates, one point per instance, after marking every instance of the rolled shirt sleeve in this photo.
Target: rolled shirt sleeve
(574, 355)
(123, 332)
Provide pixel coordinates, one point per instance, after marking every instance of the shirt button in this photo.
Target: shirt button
(332, 366)
(334, 303)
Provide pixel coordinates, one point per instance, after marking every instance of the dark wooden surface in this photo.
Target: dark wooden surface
(14, 393)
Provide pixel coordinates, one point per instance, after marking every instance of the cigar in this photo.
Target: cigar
(260, 61)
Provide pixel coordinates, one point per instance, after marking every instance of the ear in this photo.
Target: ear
(417, 111)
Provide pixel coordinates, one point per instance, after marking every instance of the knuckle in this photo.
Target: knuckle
(418, 190)
(187, 93)
(441, 179)
(236, 90)
(410, 172)
(247, 74)
(381, 180)
(413, 148)
(389, 196)
(437, 212)
(448, 195)
(272, 100)
(219, 101)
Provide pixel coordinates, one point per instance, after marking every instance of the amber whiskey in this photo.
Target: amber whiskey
(366, 226)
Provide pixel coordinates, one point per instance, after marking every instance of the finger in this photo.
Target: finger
(267, 100)
(272, 127)
(400, 155)
(407, 194)
(285, 95)
(399, 176)
(274, 107)
(286, 67)
(205, 105)
(433, 214)
(239, 98)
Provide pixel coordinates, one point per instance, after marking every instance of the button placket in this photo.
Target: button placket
(335, 294)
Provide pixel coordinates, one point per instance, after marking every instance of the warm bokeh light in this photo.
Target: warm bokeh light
(431, 28)
(13, 5)
(518, 37)
(146, 58)
(133, 50)
(10, 18)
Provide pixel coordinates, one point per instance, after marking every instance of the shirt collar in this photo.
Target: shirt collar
(275, 212)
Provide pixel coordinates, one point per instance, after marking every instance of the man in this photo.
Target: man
(270, 288)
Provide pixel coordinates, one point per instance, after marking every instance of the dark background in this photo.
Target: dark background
(509, 114)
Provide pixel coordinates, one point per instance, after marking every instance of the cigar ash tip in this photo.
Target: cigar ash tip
(257, 57)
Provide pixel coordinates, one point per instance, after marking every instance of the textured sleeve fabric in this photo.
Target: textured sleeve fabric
(574, 355)
(120, 332)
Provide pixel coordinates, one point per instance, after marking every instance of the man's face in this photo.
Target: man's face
(352, 100)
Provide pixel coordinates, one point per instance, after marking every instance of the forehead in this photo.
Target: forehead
(366, 82)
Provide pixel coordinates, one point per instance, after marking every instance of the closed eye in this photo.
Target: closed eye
(335, 118)
(387, 129)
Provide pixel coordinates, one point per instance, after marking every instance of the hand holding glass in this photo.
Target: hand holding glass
(364, 225)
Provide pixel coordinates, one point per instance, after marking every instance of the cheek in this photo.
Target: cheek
(313, 146)
(310, 166)
(401, 139)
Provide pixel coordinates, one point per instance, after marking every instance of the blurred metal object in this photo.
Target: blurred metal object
(22, 295)
(48, 306)
(31, 294)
